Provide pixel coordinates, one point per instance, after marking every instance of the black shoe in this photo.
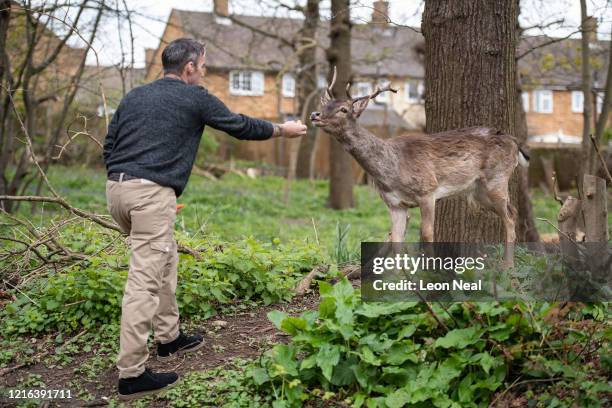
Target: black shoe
(145, 384)
(183, 344)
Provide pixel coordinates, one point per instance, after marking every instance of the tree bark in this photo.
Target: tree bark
(526, 230)
(595, 209)
(307, 83)
(602, 120)
(588, 153)
(470, 80)
(339, 55)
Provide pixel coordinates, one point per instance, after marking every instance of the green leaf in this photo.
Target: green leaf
(368, 356)
(277, 317)
(327, 308)
(381, 309)
(343, 374)
(284, 356)
(260, 375)
(292, 325)
(485, 359)
(52, 305)
(459, 338)
(398, 398)
(327, 357)
(400, 353)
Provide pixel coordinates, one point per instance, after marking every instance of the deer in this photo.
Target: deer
(411, 171)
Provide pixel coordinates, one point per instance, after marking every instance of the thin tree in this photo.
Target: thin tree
(307, 84)
(339, 56)
(30, 54)
(470, 80)
(588, 152)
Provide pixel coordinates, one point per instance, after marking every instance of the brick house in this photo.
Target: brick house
(552, 87)
(246, 66)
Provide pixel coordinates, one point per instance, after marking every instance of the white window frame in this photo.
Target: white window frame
(540, 96)
(420, 88)
(257, 81)
(362, 89)
(577, 101)
(288, 85)
(599, 101)
(525, 98)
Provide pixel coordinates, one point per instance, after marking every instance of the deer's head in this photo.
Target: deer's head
(337, 114)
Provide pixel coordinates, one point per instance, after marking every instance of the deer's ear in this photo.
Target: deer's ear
(359, 106)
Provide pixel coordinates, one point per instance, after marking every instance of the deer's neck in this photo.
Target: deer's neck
(371, 152)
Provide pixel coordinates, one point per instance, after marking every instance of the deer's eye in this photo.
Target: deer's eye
(343, 110)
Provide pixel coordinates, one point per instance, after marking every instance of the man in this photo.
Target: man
(149, 151)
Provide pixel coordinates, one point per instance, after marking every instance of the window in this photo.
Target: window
(600, 99)
(362, 89)
(288, 86)
(246, 83)
(383, 97)
(525, 97)
(414, 91)
(321, 82)
(543, 101)
(577, 101)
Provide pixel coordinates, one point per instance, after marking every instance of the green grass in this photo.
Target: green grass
(236, 207)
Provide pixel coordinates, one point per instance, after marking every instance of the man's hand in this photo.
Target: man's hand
(290, 129)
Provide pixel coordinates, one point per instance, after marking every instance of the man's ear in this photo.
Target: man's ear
(189, 67)
(359, 106)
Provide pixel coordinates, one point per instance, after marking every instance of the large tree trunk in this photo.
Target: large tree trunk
(339, 55)
(307, 83)
(470, 79)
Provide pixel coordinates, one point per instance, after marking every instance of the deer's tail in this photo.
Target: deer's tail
(523, 157)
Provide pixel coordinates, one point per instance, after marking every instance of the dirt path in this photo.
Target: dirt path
(245, 335)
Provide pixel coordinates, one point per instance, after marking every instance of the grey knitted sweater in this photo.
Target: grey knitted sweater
(156, 130)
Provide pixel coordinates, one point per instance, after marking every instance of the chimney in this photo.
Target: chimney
(590, 27)
(221, 8)
(149, 55)
(380, 13)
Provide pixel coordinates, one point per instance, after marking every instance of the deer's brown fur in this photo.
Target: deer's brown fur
(415, 171)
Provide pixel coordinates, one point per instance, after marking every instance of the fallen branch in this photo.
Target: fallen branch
(90, 216)
(304, 284)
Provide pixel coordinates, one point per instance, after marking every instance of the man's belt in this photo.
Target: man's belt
(117, 177)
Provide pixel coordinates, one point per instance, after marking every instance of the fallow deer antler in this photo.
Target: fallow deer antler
(331, 85)
(377, 92)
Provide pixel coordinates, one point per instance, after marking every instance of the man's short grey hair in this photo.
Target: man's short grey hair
(179, 53)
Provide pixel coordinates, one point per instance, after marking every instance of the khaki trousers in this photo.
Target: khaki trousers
(147, 212)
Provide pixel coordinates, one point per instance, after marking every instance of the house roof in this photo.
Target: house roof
(234, 44)
(557, 62)
(389, 51)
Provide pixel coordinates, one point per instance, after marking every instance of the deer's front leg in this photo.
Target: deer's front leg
(428, 213)
(399, 218)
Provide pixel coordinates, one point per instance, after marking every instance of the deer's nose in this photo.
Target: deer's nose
(314, 115)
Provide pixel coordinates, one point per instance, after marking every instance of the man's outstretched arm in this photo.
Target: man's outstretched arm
(218, 116)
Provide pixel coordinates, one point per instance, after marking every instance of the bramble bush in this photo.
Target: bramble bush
(89, 296)
(398, 354)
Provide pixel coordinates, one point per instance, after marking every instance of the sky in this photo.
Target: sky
(150, 15)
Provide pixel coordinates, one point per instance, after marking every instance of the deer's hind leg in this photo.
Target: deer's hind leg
(494, 194)
(399, 219)
(427, 206)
